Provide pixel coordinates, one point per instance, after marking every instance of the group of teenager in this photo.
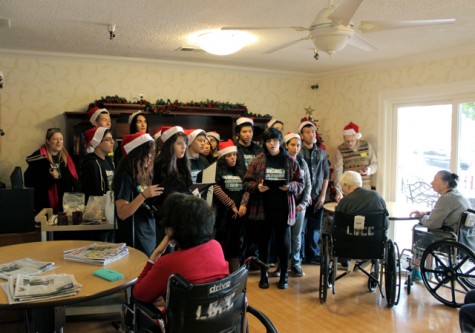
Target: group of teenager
(268, 196)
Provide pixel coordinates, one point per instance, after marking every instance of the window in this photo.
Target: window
(424, 131)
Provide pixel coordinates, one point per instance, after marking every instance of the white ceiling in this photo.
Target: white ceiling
(155, 29)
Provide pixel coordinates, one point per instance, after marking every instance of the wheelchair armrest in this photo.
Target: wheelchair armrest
(270, 328)
(148, 309)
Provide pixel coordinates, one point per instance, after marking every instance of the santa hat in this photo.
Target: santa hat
(214, 135)
(94, 137)
(132, 141)
(94, 113)
(169, 131)
(244, 120)
(352, 129)
(291, 136)
(133, 115)
(305, 122)
(158, 133)
(226, 147)
(193, 133)
(273, 121)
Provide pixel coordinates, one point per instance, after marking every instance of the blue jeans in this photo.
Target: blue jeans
(312, 233)
(296, 239)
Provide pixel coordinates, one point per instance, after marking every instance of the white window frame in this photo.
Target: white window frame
(390, 101)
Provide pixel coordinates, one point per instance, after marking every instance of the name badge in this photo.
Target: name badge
(363, 154)
(358, 222)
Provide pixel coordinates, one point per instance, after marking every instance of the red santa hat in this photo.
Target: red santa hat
(214, 135)
(158, 133)
(94, 113)
(305, 122)
(193, 133)
(94, 137)
(273, 121)
(352, 129)
(132, 141)
(244, 120)
(226, 147)
(291, 136)
(169, 131)
(132, 116)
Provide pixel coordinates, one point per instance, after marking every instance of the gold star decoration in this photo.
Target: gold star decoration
(309, 111)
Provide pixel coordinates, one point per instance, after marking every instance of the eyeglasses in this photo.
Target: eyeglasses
(108, 140)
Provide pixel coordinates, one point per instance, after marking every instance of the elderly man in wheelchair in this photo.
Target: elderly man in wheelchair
(190, 289)
(358, 233)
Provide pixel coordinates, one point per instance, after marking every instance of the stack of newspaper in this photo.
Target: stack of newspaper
(25, 266)
(97, 254)
(25, 288)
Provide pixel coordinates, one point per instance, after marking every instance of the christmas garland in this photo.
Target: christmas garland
(162, 106)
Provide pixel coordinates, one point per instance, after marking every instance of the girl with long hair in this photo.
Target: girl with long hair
(51, 172)
(132, 188)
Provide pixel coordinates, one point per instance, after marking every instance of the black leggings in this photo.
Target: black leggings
(282, 240)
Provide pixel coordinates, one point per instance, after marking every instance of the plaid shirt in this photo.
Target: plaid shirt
(255, 176)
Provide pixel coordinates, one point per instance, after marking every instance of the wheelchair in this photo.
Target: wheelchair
(447, 260)
(363, 240)
(219, 306)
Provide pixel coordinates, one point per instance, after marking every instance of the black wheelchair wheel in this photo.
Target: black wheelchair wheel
(374, 273)
(390, 274)
(448, 271)
(409, 283)
(324, 268)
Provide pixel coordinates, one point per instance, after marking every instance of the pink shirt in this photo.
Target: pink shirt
(200, 264)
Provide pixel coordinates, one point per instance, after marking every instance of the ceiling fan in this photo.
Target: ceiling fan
(332, 30)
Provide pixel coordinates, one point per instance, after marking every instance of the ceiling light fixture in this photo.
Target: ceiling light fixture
(331, 40)
(222, 42)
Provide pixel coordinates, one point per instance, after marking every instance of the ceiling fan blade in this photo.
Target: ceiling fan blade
(375, 26)
(345, 11)
(283, 46)
(265, 28)
(362, 43)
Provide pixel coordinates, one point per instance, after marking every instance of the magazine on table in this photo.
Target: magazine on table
(26, 288)
(97, 254)
(25, 266)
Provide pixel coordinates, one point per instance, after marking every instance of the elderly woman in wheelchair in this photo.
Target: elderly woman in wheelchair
(193, 284)
(446, 213)
(443, 244)
(359, 233)
(189, 222)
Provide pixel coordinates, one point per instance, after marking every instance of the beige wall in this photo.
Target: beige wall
(40, 87)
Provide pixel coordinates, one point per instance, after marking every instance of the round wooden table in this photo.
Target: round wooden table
(92, 287)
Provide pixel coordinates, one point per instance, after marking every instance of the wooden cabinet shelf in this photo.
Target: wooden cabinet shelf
(208, 119)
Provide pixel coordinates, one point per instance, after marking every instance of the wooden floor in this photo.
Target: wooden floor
(352, 309)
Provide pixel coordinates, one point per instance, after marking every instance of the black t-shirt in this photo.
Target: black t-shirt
(275, 200)
(142, 221)
(197, 165)
(97, 174)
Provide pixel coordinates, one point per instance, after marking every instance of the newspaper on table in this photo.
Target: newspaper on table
(97, 254)
(26, 288)
(25, 266)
